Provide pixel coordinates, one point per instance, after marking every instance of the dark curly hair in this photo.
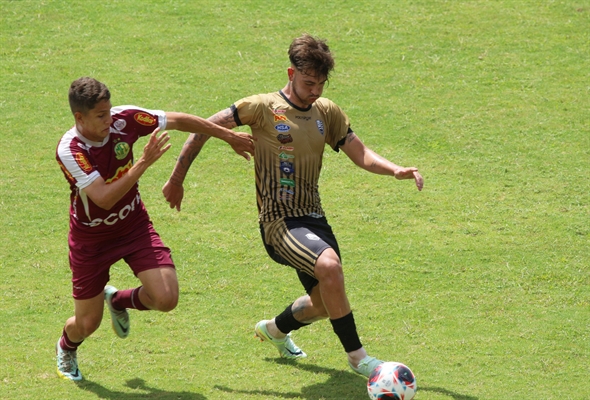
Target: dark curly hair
(85, 93)
(311, 56)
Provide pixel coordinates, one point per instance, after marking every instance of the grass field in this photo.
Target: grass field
(480, 283)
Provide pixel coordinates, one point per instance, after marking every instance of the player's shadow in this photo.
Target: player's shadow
(452, 395)
(341, 384)
(137, 384)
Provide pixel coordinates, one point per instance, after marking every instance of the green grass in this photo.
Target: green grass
(480, 283)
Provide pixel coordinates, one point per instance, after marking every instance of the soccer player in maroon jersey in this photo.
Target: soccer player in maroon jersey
(292, 127)
(108, 220)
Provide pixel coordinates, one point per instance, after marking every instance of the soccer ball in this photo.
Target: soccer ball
(392, 380)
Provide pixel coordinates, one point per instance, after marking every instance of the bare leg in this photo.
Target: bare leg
(86, 319)
(160, 289)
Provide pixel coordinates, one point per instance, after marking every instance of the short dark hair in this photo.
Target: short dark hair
(311, 56)
(85, 93)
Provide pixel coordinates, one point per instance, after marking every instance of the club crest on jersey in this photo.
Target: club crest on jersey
(120, 124)
(320, 125)
(284, 138)
(144, 119)
(83, 162)
(287, 167)
(282, 128)
(121, 150)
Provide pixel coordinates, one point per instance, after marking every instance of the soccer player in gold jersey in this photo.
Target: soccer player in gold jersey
(292, 127)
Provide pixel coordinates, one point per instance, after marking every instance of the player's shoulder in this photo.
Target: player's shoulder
(326, 105)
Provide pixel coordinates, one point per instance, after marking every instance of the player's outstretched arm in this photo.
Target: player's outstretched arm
(173, 189)
(241, 142)
(107, 195)
(367, 159)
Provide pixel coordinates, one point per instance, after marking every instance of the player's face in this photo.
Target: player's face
(95, 124)
(306, 88)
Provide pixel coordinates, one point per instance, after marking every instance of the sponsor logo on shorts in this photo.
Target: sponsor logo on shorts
(144, 119)
(320, 125)
(121, 150)
(83, 162)
(113, 218)
(282, 128)
(285, 138)
(120, 124)
(312, 236)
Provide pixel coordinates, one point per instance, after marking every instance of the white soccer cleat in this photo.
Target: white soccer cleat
(119, 319)
(286, 347)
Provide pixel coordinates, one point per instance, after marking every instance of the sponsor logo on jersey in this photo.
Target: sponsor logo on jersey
(83, 162)
(287, 182)
(113, 218)
(302, 117)
(280, 118)
(284, 156)
(65, 170)
(121, 150)
(279, 111)
(312, 236)
(288, 191)
(287, 167)
(320, 125)
(120, 124)
(120, 172)
(287, 148)
(284, 138)
(144, 119)
(282, 128)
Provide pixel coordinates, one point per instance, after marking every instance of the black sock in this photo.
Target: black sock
(345, 328)
(286, 322)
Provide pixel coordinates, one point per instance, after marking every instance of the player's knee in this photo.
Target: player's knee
(87, 326)
(166, 302)
(329, 270)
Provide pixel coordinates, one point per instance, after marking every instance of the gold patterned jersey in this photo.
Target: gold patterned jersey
(289, 151)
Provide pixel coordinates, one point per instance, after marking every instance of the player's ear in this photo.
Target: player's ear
(78, 117)
(290, 72)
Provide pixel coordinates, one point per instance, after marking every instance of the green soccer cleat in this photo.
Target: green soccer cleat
(286, 347)
(366, 366)
(67, 364)
(119, 319)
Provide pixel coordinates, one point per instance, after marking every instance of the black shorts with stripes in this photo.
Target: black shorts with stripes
(298, 242)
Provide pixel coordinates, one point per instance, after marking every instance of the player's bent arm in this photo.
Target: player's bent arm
(106, 195)
(173, 191)
(367, 159)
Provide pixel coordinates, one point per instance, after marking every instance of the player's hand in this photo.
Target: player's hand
(242, 143)
(173, 193)
(410, 173)
(155, 147)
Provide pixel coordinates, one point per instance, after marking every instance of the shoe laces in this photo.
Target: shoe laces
(67, 361)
